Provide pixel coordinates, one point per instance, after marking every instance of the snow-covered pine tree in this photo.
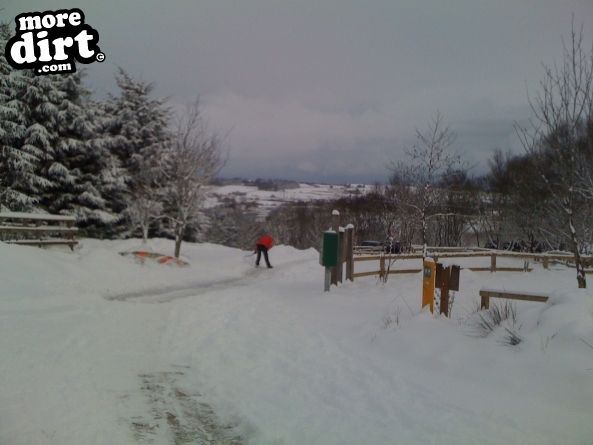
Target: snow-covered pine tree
(139, 128)
(80, 159)
(21, 146)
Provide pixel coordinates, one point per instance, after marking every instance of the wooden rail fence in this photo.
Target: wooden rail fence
(35, 229)
(382, 258)
(348, 254)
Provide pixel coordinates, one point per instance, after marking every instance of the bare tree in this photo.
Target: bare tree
(562, 109)
(195, 156)
(416, 183)
(142, 212)
(147, 193)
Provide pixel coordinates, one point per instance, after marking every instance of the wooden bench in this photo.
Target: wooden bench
(38, 229)
(487, 294)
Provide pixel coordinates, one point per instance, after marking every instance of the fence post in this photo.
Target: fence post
(335, 227)
(493, 262)
(341, 250)
(546, 262)
(382, 267)
(350, 252)
(444, 305)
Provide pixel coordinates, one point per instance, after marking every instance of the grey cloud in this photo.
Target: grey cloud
(301, 81)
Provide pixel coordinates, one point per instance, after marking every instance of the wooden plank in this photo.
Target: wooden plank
(401, 271)
(403, 256)
(513, 296)
(43, 229)
(45, 242)
(474, 254)
(22, 216)
(367, 258)
(378, 272)
(366, 274)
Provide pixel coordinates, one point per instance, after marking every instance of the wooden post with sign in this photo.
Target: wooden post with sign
(428, 276)
(446, 279)
(349, 237)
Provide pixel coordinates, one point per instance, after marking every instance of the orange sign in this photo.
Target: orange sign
(428, 276)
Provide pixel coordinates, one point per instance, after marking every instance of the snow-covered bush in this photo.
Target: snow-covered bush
(498, 315)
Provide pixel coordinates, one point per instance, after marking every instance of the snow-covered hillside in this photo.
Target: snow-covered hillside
(267, 200)
(99, 349)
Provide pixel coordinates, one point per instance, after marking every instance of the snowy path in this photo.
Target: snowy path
(167, 294)
(265, 357)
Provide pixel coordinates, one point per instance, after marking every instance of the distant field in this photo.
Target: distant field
(267, 200)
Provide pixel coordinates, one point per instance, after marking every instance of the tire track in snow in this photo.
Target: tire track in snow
(170, 293)
(178, 416)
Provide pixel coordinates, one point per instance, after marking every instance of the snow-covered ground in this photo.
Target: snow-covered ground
(98, 349)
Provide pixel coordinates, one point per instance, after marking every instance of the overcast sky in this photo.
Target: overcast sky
(332, 90)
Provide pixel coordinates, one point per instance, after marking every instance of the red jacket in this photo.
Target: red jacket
(266, 240)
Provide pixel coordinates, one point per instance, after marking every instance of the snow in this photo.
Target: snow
(99, 349)
(268, 200)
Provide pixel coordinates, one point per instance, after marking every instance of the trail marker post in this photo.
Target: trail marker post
(428, 279)
(446, 279)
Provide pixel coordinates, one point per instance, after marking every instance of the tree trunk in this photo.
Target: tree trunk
(581, 278)
(178, 238)
(424, 241)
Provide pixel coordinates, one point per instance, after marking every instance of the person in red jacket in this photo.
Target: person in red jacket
(263, 244)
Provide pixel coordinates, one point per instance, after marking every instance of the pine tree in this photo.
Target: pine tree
(139, 136)
(80, 159)
(21, 145)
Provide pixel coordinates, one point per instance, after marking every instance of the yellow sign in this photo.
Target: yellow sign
(428, 276)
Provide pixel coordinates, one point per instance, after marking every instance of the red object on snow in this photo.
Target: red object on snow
(266, 240)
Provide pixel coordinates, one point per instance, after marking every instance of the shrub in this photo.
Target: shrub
(499, 314)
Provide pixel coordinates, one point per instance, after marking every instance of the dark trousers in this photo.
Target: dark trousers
(261, 248)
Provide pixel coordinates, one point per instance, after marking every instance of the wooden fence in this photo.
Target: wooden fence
(34, 229)
(385, 259)
(349, 254)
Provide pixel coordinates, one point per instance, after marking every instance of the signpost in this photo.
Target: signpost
(435, 276)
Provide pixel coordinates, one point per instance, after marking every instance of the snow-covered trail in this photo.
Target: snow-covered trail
(195, 289)
(70, 365)
(266, 357)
